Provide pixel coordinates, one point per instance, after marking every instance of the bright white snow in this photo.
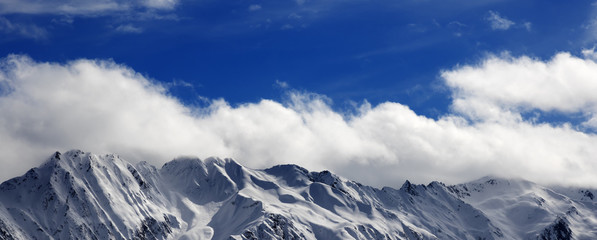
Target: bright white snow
(83, 195)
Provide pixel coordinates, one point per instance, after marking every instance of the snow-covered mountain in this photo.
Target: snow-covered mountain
(79, 195)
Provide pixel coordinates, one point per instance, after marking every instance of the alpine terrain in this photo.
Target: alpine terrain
(79, 195)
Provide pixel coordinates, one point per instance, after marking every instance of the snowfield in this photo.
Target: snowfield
(78, 195)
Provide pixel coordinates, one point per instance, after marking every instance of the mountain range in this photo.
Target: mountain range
(81, 195)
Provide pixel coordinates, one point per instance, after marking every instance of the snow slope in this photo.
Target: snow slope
(525, 210)
(79, 195)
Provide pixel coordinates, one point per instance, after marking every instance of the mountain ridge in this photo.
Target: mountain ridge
(82, 195)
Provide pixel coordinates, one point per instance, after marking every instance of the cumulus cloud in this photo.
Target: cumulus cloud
(498, 22)
(105, 107)
(92, 105)
(502, 87)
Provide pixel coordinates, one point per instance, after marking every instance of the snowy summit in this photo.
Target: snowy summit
(79, 195)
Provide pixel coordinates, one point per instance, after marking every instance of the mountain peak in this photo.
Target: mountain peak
(57, 155)
(182, 165)
(292, 175)
(412, 189)
(82, 195)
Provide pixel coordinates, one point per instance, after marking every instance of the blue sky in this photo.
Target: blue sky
(346, 50)
(421, 90)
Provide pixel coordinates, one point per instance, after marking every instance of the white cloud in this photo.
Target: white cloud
(25, 30)
(179, 83)
(61, 7)
(590, 26)
(92, 105)
(589, 53)
(281, 84)
(80, 7)
(159, 4)
(104, 107)
(128, 28)
(498, 22)
(502, 87)
(63, 20)
(528, 26)
(254, 7)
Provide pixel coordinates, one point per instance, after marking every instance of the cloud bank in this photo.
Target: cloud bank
(105, 107)
(501, 88)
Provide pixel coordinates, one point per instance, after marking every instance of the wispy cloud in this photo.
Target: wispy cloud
(159, 4)
(498, 22)
(22, 29)
(590, 53)
(65, 12)
(286, 27)
(528, 26)
(294, 16)
(128, 28)
(104, 107)
(81, 7)
(281, 84)
(179, 83)
(590, 27)
(254, 7)
(63, 20)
